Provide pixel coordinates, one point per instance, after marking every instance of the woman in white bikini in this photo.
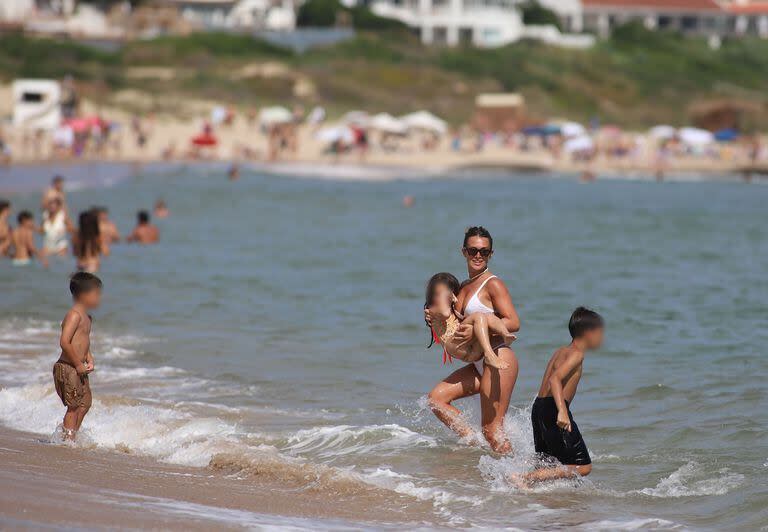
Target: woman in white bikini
(486, 293)
(56, 228)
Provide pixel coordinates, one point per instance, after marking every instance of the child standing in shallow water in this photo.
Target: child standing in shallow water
(70, 372)
(441, 302)
(555, 433)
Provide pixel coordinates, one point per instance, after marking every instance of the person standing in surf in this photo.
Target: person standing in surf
(482, 292)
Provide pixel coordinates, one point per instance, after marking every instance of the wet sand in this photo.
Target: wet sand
(45, 484)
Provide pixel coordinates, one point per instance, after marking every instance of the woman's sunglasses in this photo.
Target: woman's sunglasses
(484, 252)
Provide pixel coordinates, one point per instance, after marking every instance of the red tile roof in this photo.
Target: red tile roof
(659, 5)
(752, 8)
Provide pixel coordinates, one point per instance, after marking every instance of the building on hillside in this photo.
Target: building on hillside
(748, 17)
(237, 14)
(481, 23)
(16, 11)
(499, 112)
(697, 17)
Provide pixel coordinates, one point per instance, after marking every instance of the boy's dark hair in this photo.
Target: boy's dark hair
(24, 216)
(143, 217)
(4, 204)
(480, 231)
(82, 282)
(439, 278)
(583, 320)
(57, 179)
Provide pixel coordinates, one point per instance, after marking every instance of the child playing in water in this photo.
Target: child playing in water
(555, 433)
(23, 239)
(442, 289)
(70, 372)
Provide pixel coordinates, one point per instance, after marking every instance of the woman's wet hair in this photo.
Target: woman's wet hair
(87, 242)
(448, 280)
(584, 320)
(480, 231)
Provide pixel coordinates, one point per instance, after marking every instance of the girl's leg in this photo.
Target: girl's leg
(479, 324)
(461, 383)
(496, 326)
(496, 386)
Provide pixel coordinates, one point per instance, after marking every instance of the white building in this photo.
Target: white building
(482, 23)
(242, 14)
(16, 10)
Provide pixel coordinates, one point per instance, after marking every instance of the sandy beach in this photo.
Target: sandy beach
(92, 488)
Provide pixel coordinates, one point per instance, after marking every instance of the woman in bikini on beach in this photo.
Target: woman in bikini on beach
(483, 292)
(87, 243)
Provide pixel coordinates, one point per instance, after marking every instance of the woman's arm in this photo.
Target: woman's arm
(502, 304)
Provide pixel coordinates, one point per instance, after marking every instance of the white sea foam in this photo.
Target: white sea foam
(342, 440)
(691, 479)
(632, 524)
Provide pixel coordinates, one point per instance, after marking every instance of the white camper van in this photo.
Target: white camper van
(36, 104)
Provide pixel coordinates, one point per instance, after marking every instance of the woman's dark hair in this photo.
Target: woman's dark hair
(439, 278)
(480, 231)
(87, 241)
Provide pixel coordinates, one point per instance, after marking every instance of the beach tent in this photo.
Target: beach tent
(269, 116)
(426, 121)
(726, 135)
(334, 134)
(695, 137)
(578, 144)
(359, 118)
(387, 123)
(572, 129)
(662, 132)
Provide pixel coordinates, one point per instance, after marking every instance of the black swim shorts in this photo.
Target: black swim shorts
(568, 447)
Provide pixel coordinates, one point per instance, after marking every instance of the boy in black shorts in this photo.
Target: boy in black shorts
(555, 433)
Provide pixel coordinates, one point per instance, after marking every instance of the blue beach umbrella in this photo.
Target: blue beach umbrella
(726, 135)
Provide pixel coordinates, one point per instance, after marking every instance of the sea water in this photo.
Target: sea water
(278, 325)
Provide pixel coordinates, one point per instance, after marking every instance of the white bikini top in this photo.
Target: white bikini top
(474, 305)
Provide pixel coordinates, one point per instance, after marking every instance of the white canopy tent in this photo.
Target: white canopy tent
(425, 120)
(387, 123)
(572, 129)
(662, 132)
(695, 137)
(269, 116)
(335, 134)
(579, 144)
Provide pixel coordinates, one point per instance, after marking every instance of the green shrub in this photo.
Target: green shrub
(318, 13)
(536, 14)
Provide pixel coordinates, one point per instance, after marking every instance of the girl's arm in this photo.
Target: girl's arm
(502, 304)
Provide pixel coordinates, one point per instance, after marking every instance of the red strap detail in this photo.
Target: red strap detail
(446, 357)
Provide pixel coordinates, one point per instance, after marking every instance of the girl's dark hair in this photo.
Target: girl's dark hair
(439, 278)
(480, 231)
(87, 242)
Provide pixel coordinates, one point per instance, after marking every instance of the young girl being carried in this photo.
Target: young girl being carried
(442, 289)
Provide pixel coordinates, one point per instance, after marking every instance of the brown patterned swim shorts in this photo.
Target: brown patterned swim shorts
(73, 389)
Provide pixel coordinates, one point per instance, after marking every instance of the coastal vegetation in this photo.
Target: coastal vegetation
(635, 78)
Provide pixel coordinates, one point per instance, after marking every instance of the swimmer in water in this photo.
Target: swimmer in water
(161, 209)
(23, 238)
(55, 229)
(555, 433)
(145, 232)
(442, 289)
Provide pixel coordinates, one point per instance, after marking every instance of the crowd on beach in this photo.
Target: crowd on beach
(296, 134)
(88, 241)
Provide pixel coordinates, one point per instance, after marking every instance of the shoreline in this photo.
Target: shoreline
(53, 485)
(31, 176)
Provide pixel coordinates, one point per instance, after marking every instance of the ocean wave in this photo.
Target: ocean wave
(340, 440)
(631, 524)
(686, 481)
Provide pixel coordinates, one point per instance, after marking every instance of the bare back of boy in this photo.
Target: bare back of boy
(79, 323)
(23, 244)
(570, 359)
(70, 373)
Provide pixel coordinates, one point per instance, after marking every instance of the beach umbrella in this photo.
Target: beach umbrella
(387, 123)
(541, 131)
(579, 144)
(662, 132)
(726, 135)
(275, 115)
(572, 129)
(426, 121)
(696, 137)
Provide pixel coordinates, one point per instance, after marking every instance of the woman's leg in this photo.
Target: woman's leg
(461, 383)
(481, 332)
(496, 386)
